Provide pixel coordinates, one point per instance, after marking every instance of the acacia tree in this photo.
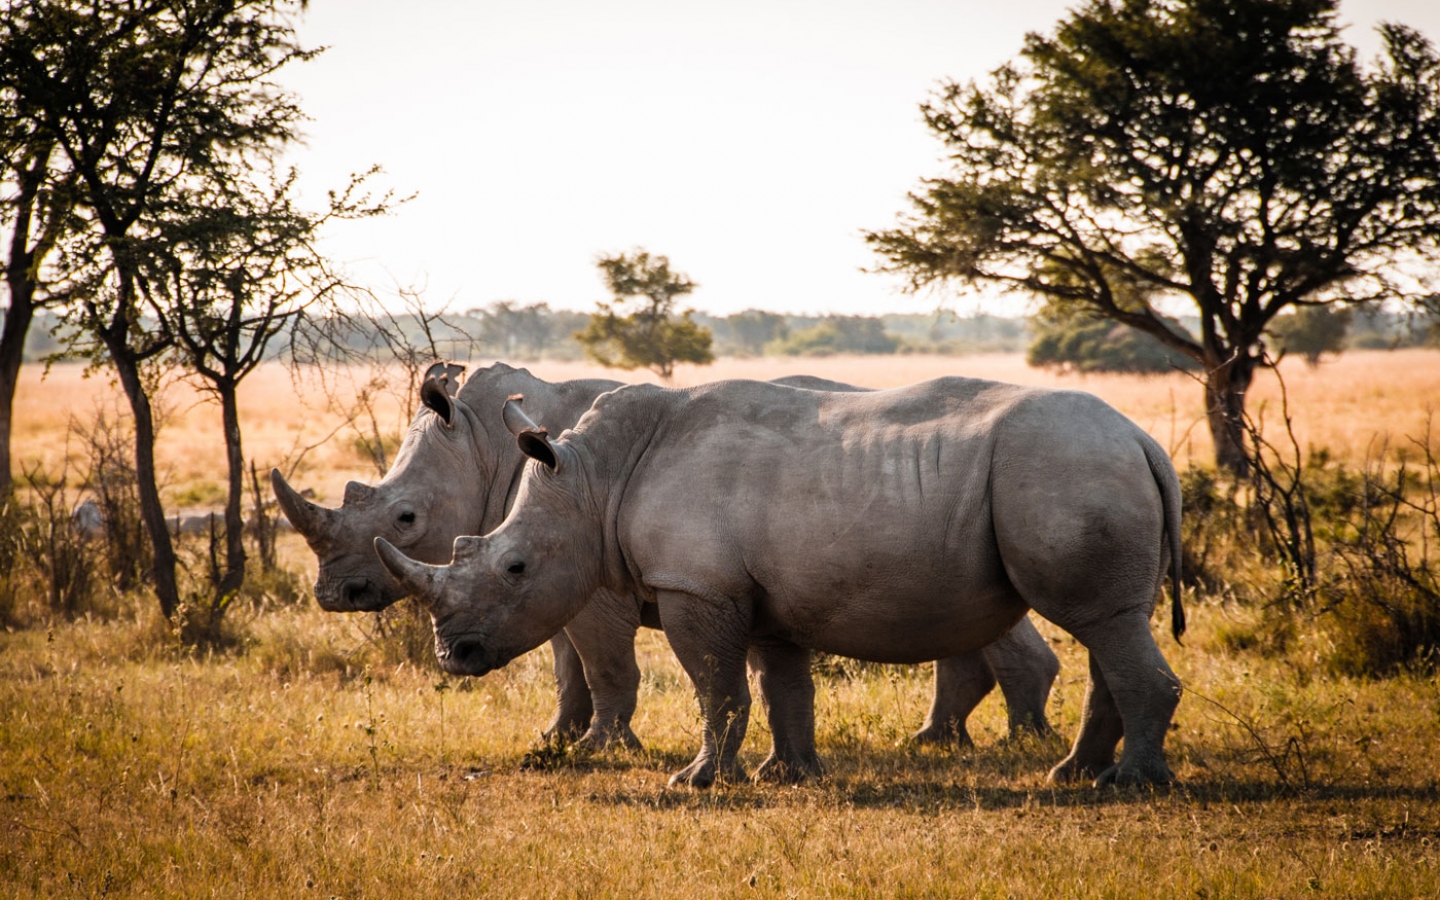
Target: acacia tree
(1229, 153)
(652, 334)
(236, 267)
(144, 100)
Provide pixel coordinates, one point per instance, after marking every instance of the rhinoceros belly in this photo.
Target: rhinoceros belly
(908, 617)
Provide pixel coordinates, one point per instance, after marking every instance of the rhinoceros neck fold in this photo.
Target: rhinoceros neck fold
(610, 442)
(554, 406)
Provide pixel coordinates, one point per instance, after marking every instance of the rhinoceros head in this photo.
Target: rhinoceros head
(435, 490)
(508, 592)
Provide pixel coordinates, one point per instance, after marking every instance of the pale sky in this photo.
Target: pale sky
(750, 142)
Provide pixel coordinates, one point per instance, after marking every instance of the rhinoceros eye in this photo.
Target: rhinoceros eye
(516, 568)
(407, 518)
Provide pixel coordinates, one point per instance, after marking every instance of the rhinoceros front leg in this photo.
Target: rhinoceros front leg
(604, 635)
(788, 692)
(572, 716)
(711, 642)
(1025, 668)
(961, 682)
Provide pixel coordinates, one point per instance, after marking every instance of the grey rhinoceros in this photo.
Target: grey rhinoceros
(456, 473)
(898, 526)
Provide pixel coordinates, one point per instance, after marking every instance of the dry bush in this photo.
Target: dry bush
(1383, 594)
(45, 569)
(1322, 546)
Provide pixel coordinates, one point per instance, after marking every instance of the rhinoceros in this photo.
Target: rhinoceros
(897, 526)
(456, 473)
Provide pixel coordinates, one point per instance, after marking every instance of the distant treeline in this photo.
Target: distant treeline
(509, 330)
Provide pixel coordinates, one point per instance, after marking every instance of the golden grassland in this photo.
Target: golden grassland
(1345, 406)
(312, 761)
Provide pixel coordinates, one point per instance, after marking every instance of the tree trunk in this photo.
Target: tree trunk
(151, 512)
(12, 350)
(1225, 390)
(20, 279)
(234, 575)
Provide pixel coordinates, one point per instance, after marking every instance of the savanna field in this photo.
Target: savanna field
(326, 755)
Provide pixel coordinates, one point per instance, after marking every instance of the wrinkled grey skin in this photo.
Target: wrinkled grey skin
(458, 477)
(896, 526)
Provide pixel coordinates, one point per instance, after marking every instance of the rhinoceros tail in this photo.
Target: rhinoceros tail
(1163, 470)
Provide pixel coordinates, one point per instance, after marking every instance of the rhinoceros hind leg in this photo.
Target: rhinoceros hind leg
(1130, 682)
(788, 691)
(604, 636)
(711, 642)
(1147, 692)
(1025, 667)
(1100, 731)
(572, 716)
(961, 682)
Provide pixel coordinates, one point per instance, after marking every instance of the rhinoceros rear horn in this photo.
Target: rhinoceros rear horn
(533, 440)
(417, 579)
(357, 493)
(312, 520)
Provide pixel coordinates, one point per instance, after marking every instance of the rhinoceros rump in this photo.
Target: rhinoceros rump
(456, 473)
(896, 526)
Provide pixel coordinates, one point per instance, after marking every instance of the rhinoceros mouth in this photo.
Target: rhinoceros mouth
(357, 594)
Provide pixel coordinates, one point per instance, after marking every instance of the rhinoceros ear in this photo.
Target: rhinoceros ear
(433, 395)
(533, 440)
(448, 374)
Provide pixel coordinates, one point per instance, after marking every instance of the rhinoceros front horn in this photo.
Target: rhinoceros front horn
(417, 579)
(313, 521)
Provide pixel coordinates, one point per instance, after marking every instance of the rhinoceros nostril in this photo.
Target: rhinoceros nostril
(467, 657)
(353, 591)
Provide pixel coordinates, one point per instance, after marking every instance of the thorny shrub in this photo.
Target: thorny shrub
(1323, 547)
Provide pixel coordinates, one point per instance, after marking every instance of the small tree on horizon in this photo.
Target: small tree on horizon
(651, 334)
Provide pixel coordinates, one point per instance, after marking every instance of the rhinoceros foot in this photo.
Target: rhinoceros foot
(950, 733)
(1074, 768)
(599, 738)
(1128, 774)
(790, 771)
(705, 771)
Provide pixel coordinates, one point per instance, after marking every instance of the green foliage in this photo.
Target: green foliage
(838, 334)
(1312, 331)
(166, 120)
(652, 334)
(1085, 344)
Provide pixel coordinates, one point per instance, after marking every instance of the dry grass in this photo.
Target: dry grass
(127, 771)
